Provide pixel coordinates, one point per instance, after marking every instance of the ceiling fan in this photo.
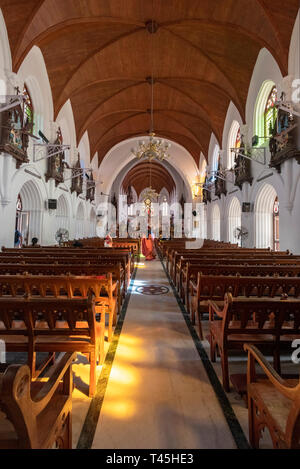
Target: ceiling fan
(241, 234)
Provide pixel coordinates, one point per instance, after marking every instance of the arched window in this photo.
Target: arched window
(266, 221)
(270, 112)
(29, 212)
(214, 163)
(19, 204)
(28, 109)
(234, 141)
(80, 228)
(265, 111)
(276, 225)
(234, 220)
(216, 223)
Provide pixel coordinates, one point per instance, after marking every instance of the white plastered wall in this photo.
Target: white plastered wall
(33, 73)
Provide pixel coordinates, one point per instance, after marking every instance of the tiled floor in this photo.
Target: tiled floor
(158, 393)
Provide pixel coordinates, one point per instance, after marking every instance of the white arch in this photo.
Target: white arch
(121, 155)
(65, 120)
(234, 219)
(203, 221)
(62, 215)
(259, 112)
(266, 69)
(202, 165)
(33, 205)
(235, 127)
(92, 223)
(33, 73)
(164, 194)
(84, 150)
(216, 223)
(5, 53)
(264, 205)
(80, 228)
(294, 51)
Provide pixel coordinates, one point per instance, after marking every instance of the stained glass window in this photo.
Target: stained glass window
(270, 112)
(28, 108)
(215, 163)
(276, 242)
(19, 204)
(238, 139)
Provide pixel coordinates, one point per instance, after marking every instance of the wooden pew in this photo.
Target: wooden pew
(199, 264)
(214, 287)
(104, 289)
(52, 325)
(190, 272)
(127, 243)
(70, 258)
(201, 255)
(36, 415)
(70, 269)
(273, 403)
(260, 321)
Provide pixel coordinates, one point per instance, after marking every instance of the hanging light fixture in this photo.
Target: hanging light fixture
(150, 194)
(154, 148)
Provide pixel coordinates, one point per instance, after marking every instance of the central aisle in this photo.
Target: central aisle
(158, 394)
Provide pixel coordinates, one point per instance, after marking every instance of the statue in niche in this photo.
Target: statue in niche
(77, 178)
(220, 183)
(90, 188)
(130, 199)
(14, 134)
(114, 201)
(182, 202)
(55, 168)
(282, 141)
(206, 194)
(242, 166)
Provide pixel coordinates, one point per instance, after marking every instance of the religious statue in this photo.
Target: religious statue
(90, 188)
(14, 131)
(282, 140)
(206, 194)
(77, 178)
(55, 169)
(242, 166)
(220, 183)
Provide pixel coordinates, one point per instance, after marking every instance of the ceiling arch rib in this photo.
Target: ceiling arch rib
(91, 41)
(145, 173)
(182, 140)
(101, 64)
(245, 29)
(187, 129)
(183, 103)
(141, 124)
(273, 44)
(133, 112)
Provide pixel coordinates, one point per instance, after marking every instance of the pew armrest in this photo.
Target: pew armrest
(214, 309)
(254, 355)
(193, 287)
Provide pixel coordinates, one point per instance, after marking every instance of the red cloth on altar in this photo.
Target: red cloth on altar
(148, 249)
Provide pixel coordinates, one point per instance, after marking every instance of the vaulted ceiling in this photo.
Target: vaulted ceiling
(147, 174)
(98, 55)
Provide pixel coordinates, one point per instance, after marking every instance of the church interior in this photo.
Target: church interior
(149, 224)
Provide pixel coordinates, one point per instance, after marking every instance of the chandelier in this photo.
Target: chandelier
(150, 194)
(155, 148)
